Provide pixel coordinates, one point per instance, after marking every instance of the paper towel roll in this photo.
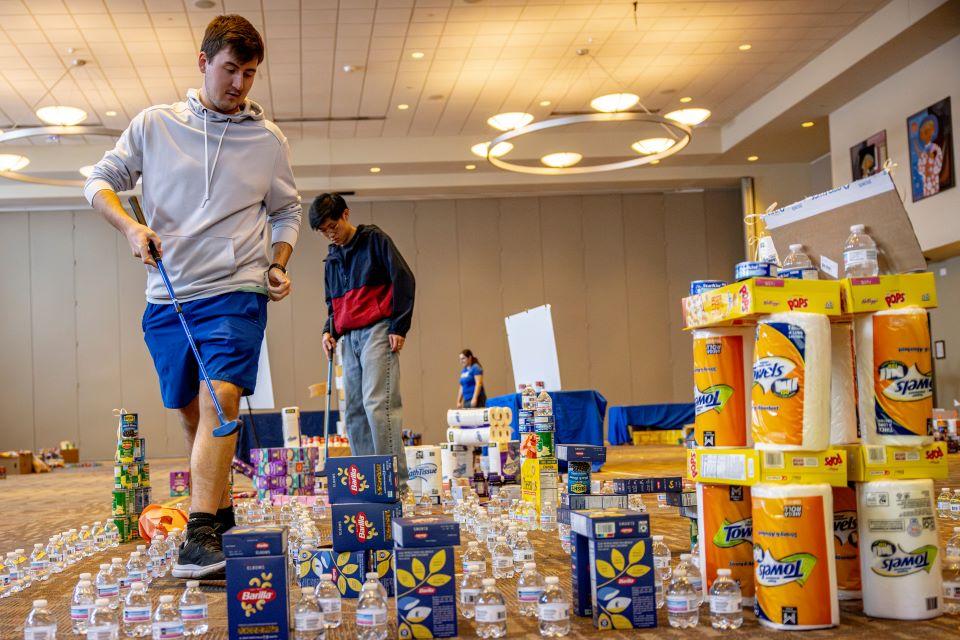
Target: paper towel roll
(725, 532)
(899, 549)
(468, 417)
(722, 378)
(479, 435)
(456, 461)
(791, 382)
(894, 377)
(424, 469)
(843, 392)
(795, 573)
(845, 542)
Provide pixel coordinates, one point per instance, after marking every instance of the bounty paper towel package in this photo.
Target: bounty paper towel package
(843, 392)
(721, 386)
(725, 533)
(845, 542)
(795, 574)
(894, 377)
(791, 382)
(899, 552)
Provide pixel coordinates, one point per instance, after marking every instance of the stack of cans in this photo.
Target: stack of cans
(545, 429)
(284, 471)
(131, 478)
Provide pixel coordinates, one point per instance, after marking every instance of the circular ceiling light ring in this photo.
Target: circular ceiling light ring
(684, 132)
(52, 130)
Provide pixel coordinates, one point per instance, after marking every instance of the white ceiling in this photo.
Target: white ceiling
(481, 57)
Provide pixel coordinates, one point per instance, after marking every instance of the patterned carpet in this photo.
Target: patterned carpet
(36, 506)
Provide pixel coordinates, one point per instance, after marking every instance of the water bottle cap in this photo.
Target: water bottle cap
(796, 247)
(657, 538)
(141, 547)
(104, 567)
(372, 575)
(40, 604)
(857, 228)
(552, 580)
(116, 560)
(956, 529)
(135, 554)
(723, 572)
(501, 538)
(101, 602)
(529, 566)
(488, 582)
(685, 556)
(85, 583)
(166, 599)
(193, 584)
(85, 576)
(20, 551)
(37, 545)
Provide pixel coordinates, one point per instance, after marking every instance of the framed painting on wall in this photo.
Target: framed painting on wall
(930, 142)
(867, 157)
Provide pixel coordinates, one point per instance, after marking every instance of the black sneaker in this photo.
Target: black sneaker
(201, 555)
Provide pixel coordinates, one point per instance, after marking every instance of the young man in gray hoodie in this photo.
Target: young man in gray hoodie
(215, 172)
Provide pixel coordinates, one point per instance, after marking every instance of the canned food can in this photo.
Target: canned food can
(546, 447)
(578, 477)
(753, 269)
(126, 451)
(545, 427)
(699, 286)
(139, 449)
(122, 503)
(128, 425)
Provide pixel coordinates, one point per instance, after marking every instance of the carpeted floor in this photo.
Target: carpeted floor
(33, 507)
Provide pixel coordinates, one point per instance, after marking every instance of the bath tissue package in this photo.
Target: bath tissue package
(843, 392)
(725, 532)
(722, 378)
(894, 377)
(290, 424)
(845, 542)
(423, 466)
(456, 461)
(899, 549)
(791, 382)
(795, 574)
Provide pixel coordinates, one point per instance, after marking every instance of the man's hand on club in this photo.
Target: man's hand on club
(278, 284)
(138, 236)
(329, 344)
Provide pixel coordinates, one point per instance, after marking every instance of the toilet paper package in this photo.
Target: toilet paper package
(456, 461)
(791, 382)
(725, 532)
(290, 423)
(845, 542)
(843, 392)
(795, 575)
(424, 473)
(722, 379)
(899, 552)
(894, 377)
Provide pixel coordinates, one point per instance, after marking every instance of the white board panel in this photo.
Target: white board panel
(533, 348)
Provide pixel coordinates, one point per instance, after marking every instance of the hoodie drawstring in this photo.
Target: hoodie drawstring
(208, 174)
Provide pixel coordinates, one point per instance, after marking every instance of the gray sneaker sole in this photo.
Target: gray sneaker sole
(198, 571)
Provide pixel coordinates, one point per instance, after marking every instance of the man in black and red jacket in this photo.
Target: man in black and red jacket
(370, 291)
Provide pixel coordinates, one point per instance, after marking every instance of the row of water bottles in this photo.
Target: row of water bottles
(680, 589)
(860, 258)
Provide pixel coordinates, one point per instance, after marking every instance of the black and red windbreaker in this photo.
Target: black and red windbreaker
(367, 280)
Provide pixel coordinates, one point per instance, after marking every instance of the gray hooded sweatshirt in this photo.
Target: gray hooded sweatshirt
(211, 181)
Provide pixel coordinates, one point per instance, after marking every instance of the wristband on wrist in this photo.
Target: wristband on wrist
(277, 265)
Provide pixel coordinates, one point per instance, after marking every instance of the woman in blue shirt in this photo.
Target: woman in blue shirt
(471, 392)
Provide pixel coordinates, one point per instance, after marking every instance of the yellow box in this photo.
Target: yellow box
(877, 462)
(749, 466)
(743, 302)
(538, 479)
(863, 295)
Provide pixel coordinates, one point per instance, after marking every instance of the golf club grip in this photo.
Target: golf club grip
(138, 214)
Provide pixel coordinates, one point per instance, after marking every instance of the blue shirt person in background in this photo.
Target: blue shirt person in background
(471, 392)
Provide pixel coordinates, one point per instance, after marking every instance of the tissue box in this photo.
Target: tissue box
(647, 485)
(622, 584)
(348, 569)
(362, 479)
(581, 452)
(426, 531)
(610, 524)
(426, 592)
(580, 575)
(381, 561)
(580, 502)
(257, 602)
(364, 525)
(179, 483)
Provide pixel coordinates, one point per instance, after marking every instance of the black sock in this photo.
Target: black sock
(225, 518)
(200, 519)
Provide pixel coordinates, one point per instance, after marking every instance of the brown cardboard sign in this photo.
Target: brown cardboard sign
(822, 223)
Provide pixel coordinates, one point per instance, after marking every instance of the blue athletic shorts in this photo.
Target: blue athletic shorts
(228, 330)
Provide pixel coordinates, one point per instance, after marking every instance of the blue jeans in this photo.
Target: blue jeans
(374, 412)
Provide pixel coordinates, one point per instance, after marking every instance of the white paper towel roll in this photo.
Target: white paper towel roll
(843, 393)
(725, 532)
(479, 435)
(795, 573)
(899, 549)
(791, 382)
(468, 417)
(722, 379)
(894, 377)
(424, 468)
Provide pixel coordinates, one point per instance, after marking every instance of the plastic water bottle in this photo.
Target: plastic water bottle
(502, 559)
(373, 578)
(692, 572)
(307, 618)
(943, 503)
(548, 516)
(798, 262)
(81, 605)
(490, 614)
(157, 557)
(554, 610)
(474, 555)
(328, 598)
(107, 586)
(120, 574)
(5, 590)
(859, 254)
(371, 614)
(136, 569)
(193, 610)
(661, 568)
(544, 404)
(166, 620)
(103, 624)
(726, 602)
(40, 623)
(99, 536)
(39, 563)
(470, 586)
(952, 548)
(528, 397)
(13, 571)
(683, 600)
(55, 554)
(522, 551)
(136, 611)
(951, 583)
(530, 587)
(955, 505)
(86, 541)
(112, 533)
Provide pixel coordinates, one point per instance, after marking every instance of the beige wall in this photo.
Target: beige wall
(613, 267)
(945, 325)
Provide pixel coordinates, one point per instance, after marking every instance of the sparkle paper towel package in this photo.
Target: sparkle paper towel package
(795, 573)
(722, 380)
(725, 533)
(843, 392)
(845, 542)
(899, 549)
(791, 382)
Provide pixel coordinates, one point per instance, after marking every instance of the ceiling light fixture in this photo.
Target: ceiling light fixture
(374, 169)
(510, 120)
(745, 47)
(752, 158)
(483, 150)
(654, 162)
(12, 162)
(652, 145)
(110, 113)
(545, 103)
(613, 102)
(403, 107)
(417, 55)
(686, 99)
(691, 116)
(61, 115)
(561, 159)
(470, 167)
(807, 124)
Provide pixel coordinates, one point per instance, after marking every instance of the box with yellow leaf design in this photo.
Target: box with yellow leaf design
(622, 584)
(381, 561)
(347, 569)
(426, 592)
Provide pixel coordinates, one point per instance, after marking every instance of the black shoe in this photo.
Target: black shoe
(201, 555)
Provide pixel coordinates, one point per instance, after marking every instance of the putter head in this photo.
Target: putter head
(226, 428)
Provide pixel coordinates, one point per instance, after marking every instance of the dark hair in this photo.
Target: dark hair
(236, 33)
(466, 353)
(326, 206)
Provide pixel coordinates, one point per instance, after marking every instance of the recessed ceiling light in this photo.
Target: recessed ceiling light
(510, 120)
(652, 145)
(110, 113)
(561, 159)
(374, 169)
(204, 4)
(654, 162)
(85, 171)
(12, 162)
(470, 167)
(614, 102)
(417, 55)
(686, 99)
(61, 115)
(745, 47)
(545, 103)
(403, 107)
(752, 158)
(807, 124)
(500, 149)
(691, 116)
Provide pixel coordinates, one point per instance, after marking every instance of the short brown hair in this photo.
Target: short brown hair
(234, 32)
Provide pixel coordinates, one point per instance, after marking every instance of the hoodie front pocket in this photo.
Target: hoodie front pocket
(197, 260)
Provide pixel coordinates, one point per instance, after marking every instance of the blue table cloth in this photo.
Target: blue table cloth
(648, 416)
(269, 430)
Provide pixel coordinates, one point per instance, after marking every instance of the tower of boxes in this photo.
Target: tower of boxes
(131, 478)
(538, 449)
(284, 471)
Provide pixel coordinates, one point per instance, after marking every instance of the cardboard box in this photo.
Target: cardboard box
(18, 464)
(626, 486)
(866, 295)
(877, 462)
(426, 592)
(257, 602)
(580, 575)
(426, 531)
(743, 302)
(381, 561)
(584, 452)
(582, 502)
(622, 584)
(362, 526)
(685, 499)
(348, 569)
(70, 456)
(747, 467)
(248, 542)
(363, 479)
(610, 524)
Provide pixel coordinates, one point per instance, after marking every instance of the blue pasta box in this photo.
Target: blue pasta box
(347, 569)
(362, 479)
(257, 601)
(426, 531)
(361, 526)
(247, 542)
(584, 452)
(672, 484)
(622, 584)
(581, 502)
(580, 575)
(610, 523)
(381, 561)
(426, 592)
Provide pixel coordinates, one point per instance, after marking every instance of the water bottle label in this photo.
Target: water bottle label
(502, 562)
(134, 576)
(469, 596)
(955, 507)
(682, 603)
(371, 617)
(125, 582)
(725, 604)
(491, 613)
(308, 621)
(165, 630)
(529, 594)
(523, 555)
(697, 584)
(108, 590)
(193, 612)
(48, 632)
(661, 562)
(136, 614)
(859, 256)
(103, 632)
(329, 605)
(38, 564)
(80, 611)
(554, 611)
(943, 505)
(5, 580)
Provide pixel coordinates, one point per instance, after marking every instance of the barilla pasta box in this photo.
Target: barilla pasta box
(582, 502)
(362, 479)
(347, 569)
(584, 452)
(381, 561)
(672, 484)
(257, 601)
(580, 575)
(426, 592)
(179, 483)
(610, 524)
(426, 531)
(361, 526)
(622, 584)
